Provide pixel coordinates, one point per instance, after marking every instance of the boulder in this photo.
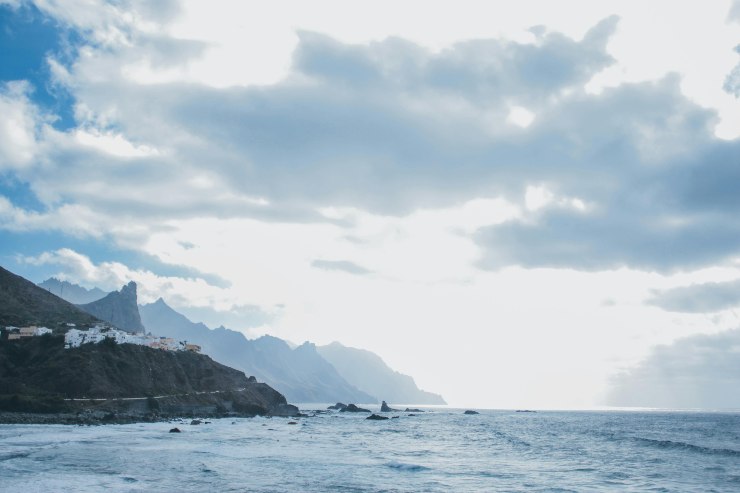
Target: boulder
(413, 410)
(384, 408)
(376, 417)
(284, 410)
(195, 422)
(175, 430)
(471, 412)
(351, 408)
(338, 406)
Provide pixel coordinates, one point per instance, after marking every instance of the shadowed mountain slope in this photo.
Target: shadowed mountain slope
(23, 303)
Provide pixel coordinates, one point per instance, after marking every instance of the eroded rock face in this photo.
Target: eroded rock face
(119, 308)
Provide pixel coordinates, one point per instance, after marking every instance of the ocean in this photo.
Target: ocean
(442, 450)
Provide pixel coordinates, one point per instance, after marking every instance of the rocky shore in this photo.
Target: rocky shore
(239, 403)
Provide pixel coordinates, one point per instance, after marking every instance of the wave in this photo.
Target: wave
(404, 466)
(670, 444)
(14, 455)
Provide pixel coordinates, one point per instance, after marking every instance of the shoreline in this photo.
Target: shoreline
(99, 418)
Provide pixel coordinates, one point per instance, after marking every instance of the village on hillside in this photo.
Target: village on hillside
(75, 337)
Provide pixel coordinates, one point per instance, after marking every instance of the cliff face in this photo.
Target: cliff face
(119, 308)
(23, 303)
(40, 367)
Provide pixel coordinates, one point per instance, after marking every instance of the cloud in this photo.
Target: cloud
(391, 127)
(732, 81)
(18, 126)
(193, 292)
(342, 265)
(694, 372)
(734, 14)
(699, 298)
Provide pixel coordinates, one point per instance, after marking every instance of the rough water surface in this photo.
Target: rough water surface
(442, 450)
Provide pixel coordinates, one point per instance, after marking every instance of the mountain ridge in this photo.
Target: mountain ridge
(303, 376)
(74, 293)
(366, 370)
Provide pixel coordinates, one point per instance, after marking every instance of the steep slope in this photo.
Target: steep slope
(119, 308)
(23, 303)
(367, 371)
(73, 293)
(40, 368)
(302, 375)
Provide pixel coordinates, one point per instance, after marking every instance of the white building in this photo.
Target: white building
(75, 338)
(41, 331)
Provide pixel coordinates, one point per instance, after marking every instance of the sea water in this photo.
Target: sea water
(442, 450)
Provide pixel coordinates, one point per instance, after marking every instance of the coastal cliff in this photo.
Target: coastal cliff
(121, 383)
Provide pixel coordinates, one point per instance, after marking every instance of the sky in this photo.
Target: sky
(531, 205)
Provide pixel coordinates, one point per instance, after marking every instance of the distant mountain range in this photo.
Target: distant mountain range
(72, 292)
(366, 370)
(304, 373)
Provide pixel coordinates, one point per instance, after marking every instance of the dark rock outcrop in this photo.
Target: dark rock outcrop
(413, 410)
(339, 406)
(376, 417)
(471, 412)
(119, 308)
(384, 408)
(351, 408)
(175, 430)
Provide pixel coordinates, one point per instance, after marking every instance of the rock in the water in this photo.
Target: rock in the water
(284, 410)
(292, 423)
(384, 408)
(338, 406)
(195, 422)
(414, 410)
(471, 412)
(376, 417)
(175, 430)
(351, 408)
